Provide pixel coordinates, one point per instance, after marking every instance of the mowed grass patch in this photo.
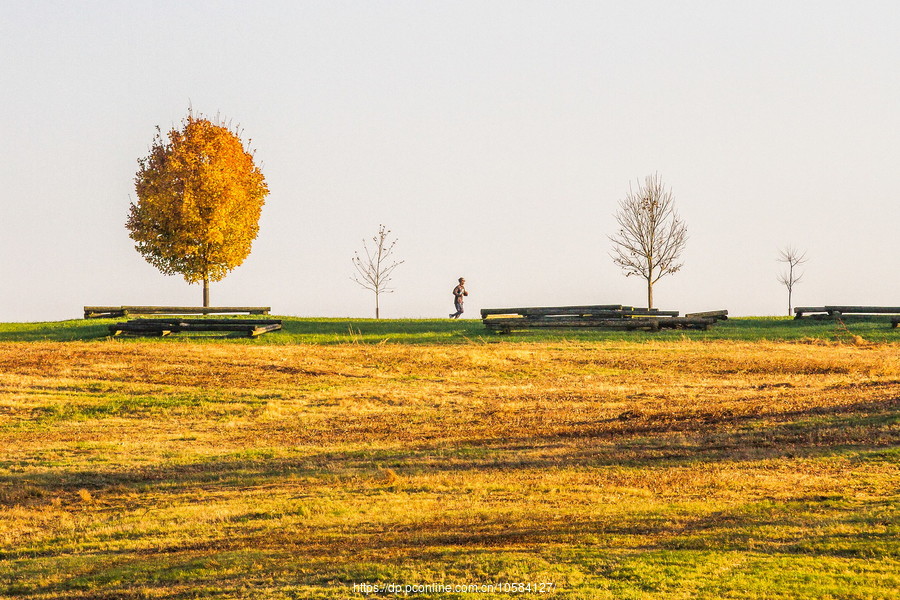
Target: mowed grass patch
(611, 469)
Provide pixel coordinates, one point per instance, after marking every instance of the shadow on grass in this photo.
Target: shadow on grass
(624, 549)
(864, 427)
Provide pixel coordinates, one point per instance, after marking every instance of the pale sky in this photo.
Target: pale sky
(494, 138)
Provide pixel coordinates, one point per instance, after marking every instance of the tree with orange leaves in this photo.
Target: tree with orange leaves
(200, 196)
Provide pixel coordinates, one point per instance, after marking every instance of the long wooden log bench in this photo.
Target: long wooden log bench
(836, 311)
(608, 316)
(116, 312)
(645, 323)
(161, 327)
(718, 315)
(601, 310)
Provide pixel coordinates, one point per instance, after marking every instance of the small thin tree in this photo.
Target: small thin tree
(651, 235)
(792, 258)
(373, 271)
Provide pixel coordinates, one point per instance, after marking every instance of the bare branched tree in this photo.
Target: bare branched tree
(792, 258)
(651, 235)
(373, 271)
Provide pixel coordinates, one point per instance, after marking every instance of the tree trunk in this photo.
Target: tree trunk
(649, 294)
(790, 285)
(206, 292)
(377, 315)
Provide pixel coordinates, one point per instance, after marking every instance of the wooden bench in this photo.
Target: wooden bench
(116, 312)
(161, 327)
(608, 316)
(718, 315)
(599, 310)
(811, 312)
(836, 312)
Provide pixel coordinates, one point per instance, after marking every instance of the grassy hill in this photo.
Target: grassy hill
(601, 469)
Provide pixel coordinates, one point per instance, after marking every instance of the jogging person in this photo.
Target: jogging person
(458, 293)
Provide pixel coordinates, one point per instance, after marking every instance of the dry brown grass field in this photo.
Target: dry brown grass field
(608, 470)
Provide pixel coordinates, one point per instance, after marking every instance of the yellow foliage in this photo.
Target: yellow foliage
(200, 196)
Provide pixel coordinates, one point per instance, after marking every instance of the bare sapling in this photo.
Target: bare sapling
(376, 265)
(792, 258)
(651, 236)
